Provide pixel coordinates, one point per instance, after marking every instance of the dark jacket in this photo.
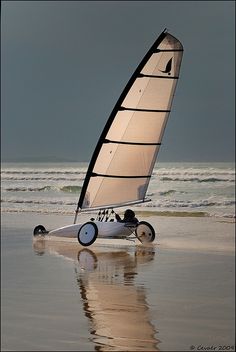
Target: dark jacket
(132, 219)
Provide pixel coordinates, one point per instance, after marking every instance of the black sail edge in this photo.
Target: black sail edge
(112, 116)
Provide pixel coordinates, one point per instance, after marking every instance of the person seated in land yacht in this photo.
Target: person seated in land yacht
(129, 216)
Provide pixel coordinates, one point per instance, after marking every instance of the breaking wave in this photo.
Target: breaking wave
(189, 204)
(39, 178)
(177, 189)
(168, 203)
(42, 175)
(194, 171)
(169, 192)
(71, 189)
(68, 189)
(196, 179)
(36, 201)
(42, 172)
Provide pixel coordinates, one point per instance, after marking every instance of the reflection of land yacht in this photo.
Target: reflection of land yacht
(112, 300)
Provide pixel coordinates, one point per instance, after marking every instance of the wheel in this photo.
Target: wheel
(87, 233)
(40, 230)
(145, 232)
(87, 259)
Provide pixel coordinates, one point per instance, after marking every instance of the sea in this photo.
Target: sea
(175, 189)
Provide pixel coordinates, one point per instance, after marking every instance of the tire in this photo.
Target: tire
(87, 234)
(39, 230)
(87, 259)
(144, 232)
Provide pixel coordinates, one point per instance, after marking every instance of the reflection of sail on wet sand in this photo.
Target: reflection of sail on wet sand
(114, 304)
(116, 307)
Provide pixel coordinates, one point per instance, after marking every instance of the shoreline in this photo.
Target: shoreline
(207, 234)
(138, 211)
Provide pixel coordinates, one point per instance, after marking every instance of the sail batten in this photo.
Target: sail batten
(153, 76)
(122, 163)
(167, 50)
(130, 143)
(120, 176)
(147, 110)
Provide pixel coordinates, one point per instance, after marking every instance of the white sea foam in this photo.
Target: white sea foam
(176, 187)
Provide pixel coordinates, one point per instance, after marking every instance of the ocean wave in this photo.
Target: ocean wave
(28, 189)
(167, 193)
(40, 201)
(196, 179)
(71, 189)
(67, 189)
(179, 174)
(209, 171)
(42, 172)
(13, 178)
(194, 171)
(189, 204)
(167, 203)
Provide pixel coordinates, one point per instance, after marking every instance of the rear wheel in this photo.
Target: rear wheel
(145, 232)
(40, 230)
(87, 233)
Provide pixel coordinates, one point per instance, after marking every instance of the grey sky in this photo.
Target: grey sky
(65, 63)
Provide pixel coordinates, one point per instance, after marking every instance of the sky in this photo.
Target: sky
(64, 64)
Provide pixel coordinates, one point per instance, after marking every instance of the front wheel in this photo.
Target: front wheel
(87, 234)
(145, 232)
(87, 259)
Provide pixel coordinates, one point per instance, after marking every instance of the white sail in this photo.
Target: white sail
(123, 161)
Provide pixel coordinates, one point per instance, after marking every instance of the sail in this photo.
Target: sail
(123, 160)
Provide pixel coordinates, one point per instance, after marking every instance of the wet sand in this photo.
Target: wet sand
(177, 294)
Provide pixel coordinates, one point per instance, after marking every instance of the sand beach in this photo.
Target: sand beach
(177, 294)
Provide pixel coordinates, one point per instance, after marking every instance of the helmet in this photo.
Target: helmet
(129, 213)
